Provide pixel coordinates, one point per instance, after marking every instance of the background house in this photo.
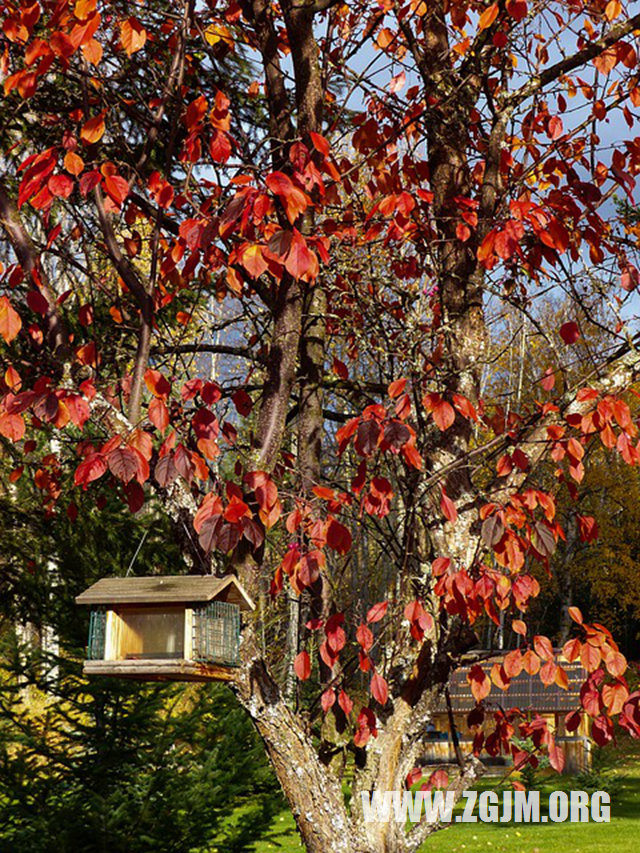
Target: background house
(527, 693)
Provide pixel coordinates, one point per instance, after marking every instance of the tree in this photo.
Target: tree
(353, 247)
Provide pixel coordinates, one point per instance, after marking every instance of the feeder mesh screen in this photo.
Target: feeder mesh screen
(216, 633)
(97, 630)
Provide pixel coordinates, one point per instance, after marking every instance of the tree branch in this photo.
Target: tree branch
(572, 62)
(28, 259)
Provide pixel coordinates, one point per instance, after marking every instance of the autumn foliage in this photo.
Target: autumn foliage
(348, 250)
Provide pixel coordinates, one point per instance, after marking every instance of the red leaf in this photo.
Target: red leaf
(320, 143)
(590, 657)
(328, 699)
(338, 537)
(165, 471)
(252, 259)
(117, 188)
(135, 496)
(92, 468)
(236, 509)
(376, 612)
(208, 535)
(569, 332)
(602, 730)
(616, 664)
(571, 649)
(37, 302)
(519, 627)
(220, 146)
(157, 384)
(60, 186)
(366, 727)
(243, 402)
(89, 181)
(340, 368)
(448, 507)
(517, 9)
(556, 757)
(488, 16)
(122, 464)
(300, 261)
(549, 379)
(413, 776)
(572, 721)
(345, 702)
(555, 128)
(158, 414)
(465, 407)
(588, 530)
(513, 663)
(295, 201)
(379, 689)
(367, 437)
(211, 507)
(364, 636)
(443, 415)
(302, 666)
(438, 779)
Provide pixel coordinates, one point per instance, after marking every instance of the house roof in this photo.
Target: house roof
(163, 589)
(526, 692)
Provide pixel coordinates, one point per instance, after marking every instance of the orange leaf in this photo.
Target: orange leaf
(11, 426)
(93, 130)
(576, 615)
(396, 388)
(614, 696)
(132, 35)
(488, 16)
(73, 163)
(157, 384)
(10, 322)
(92, 51)
(590, 657)
(480, 682)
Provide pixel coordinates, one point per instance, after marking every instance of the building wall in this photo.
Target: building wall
(439, 748)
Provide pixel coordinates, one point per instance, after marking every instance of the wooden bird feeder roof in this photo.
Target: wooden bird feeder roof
(166, 590)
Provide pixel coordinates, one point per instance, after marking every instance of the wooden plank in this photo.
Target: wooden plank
(154, 670)
(188, 633)
(166, 589)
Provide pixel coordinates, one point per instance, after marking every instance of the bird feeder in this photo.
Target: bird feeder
(184, 628)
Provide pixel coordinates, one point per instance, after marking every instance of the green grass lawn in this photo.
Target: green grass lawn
(621, 835)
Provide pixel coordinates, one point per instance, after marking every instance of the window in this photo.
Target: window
(151, 632)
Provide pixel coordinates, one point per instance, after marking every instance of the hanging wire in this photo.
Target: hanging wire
(140, 544)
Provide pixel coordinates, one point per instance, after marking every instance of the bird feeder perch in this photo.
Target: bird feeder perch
(184, 628)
